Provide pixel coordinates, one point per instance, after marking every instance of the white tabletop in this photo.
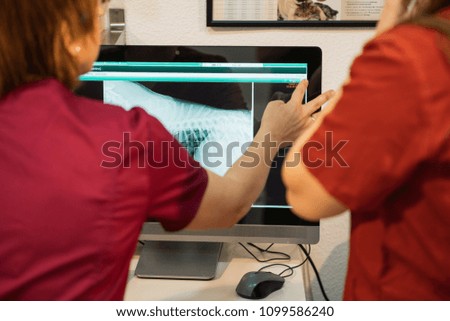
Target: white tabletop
(233, 264)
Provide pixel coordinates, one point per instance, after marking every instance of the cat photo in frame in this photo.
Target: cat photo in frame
(305, 10)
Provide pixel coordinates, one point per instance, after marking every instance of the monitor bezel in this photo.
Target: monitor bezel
(306, 233)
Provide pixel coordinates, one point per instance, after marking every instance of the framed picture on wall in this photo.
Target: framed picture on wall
(293, 13)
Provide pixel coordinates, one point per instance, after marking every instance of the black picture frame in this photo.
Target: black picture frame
(210, 22)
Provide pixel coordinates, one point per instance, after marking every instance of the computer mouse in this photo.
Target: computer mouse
(258, 285)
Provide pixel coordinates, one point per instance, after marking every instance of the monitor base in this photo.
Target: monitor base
(179, 260)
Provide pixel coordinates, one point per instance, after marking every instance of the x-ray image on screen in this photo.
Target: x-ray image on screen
(210, 98)
(216, 138)
(211, 104)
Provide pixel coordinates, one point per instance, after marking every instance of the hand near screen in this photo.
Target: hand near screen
(317, 118)
(287, 121)
(228, 199)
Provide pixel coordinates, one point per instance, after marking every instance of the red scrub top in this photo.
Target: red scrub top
(387, 157)
(77, 180)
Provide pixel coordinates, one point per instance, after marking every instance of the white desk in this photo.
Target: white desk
(233, 264)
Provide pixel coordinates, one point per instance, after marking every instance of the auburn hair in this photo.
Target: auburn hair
(32, 43)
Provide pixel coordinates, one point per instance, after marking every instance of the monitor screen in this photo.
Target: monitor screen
(211, 99)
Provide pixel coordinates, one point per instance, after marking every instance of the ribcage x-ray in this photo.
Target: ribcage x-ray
(216, 138)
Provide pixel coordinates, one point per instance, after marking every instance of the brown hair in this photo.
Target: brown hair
(32, 41)
(424, 14)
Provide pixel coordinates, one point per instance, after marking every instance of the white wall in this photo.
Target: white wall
(184, 22)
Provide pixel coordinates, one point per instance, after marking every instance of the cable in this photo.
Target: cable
(284, 257)
(308, 257)
(301, 263)
(287, 268)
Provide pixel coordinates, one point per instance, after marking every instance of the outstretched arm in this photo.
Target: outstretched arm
(227, 199)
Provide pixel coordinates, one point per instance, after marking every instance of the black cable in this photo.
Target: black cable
(301, 263)
(288, 268)
(261, 249)
(308, 257)
(285, 257)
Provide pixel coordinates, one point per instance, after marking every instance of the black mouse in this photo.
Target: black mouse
(258, 285)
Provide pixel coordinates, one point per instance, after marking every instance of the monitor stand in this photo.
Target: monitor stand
(179, 260)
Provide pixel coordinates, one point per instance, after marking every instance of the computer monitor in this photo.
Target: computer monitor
(212, 100)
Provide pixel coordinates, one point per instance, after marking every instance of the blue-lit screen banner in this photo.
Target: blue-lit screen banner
(197, 72)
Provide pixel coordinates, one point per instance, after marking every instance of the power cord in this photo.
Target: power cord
(284, 256)
(308, 257)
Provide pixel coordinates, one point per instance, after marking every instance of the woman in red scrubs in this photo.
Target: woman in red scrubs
(384, 153)
(68, 225)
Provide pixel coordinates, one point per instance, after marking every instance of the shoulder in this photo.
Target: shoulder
(111, 117)
(48, 104)
(404, 73)
(407, 53)
(100, 120)
(409, 43)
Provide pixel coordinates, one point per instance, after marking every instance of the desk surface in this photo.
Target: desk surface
(234, 262)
